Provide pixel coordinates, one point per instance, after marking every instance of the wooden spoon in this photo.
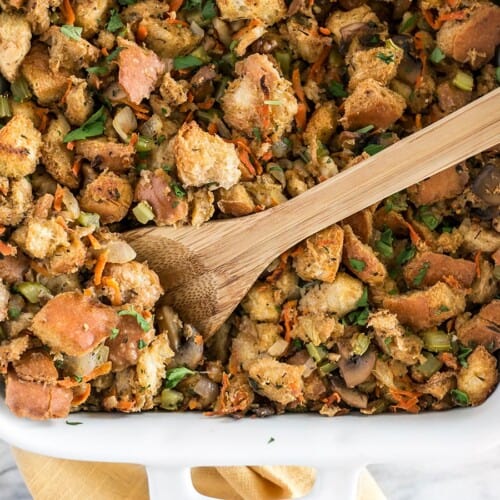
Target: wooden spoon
(206, 271)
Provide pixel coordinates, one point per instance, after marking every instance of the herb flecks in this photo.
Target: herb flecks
(72, 32)
(175, 375)
(419, 278)
(357, 265)
(93, 127)
(141, 321)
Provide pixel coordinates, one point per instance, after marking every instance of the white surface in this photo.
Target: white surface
(476, 482)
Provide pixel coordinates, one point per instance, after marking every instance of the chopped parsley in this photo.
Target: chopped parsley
(186, 62)
(365, 130)
(388, 341)
(78, 378)
(141, 344)
(73, 423)
(461, 398)
(359, 317)
(98, 70)
(437, 55)
(421, 274)
(297, 343)
(141, 321)
(114, 333)
(175, 375)
(363, 300)
(72, 32)
(373, 149)
(336, 89)
(396, 202)
(14, 312)
(93, 127)
(357, 265)
(408, 25)
(257, 133)
(209, 10)
(463, 354)
(387, 58)
(113, 54)
(115, 23)
(177, 189)
(271, 440)
(443, 308)
(406, 255)
(384, 244)
(127, 2)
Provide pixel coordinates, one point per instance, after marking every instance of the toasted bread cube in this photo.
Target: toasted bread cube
(15, 43)
(268, 11)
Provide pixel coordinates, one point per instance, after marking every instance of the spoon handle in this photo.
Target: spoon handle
(445, 143)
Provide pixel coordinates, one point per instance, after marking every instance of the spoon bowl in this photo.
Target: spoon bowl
(206, 271)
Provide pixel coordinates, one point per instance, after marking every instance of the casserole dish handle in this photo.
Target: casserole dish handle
(174, 483)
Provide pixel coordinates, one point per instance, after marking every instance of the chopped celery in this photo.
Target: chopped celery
(284, 60)
(144, 144)
(327, 368)
(360, 344)
(4, 107)
(87, 219)
(20, 90)
(143, 212)
(437, 55)
(201, 54)
(32, 291)
(463, 81)
(170, 400)
(316, 352)
(436, 341)
(430, 366)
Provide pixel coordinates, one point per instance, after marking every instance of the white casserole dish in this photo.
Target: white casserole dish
(169, 443)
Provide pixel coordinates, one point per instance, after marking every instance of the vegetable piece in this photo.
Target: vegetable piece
(94, 126)
(460, 397)
(72, 32)
(187, 62)
(143, 212)
(125, 123)
(170, 400)
(4, 107)
(141, 321)
(436, 341)
(144, 144)
(32, 291)
(175, 375)
(463, 81)
(421, 274)
(316, 352)
(437, 55)
(20, 90)
(357, 265)
(430, 366)
(115, 23)
(87, 219)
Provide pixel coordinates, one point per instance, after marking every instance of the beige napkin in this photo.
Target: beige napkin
(56, 479)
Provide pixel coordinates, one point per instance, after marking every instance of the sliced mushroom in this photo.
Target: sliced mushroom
(487, 184)
(349, 396)
(357, 369)
(190, 353)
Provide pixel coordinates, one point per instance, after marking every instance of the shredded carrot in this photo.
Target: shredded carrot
(104, 51)
(317, 68)
(81, 396)
(42, 115)
(70, 382)
(449, 360)
(58, 196)
(280, 268)
(198, 340)
(116, 299)
(63, 224)
(193, 404)
(39, 269)
(2, 230)
(87, 292)
(325, 31)
(289, 316)
(301, 116)
(451, 16)
(171, 20)
(245, 159)
(207, 104)
(267, 156)
(189, 117)
(133, 139)
(94, 243)
(138, 108)
(452, 3)
(66, 92)
(422, 55)
(141, 33)
(99, 267)
(175, 5)
(70, 146)
(6, 249)
(418, 121)
(68, 12)
(452, 281)
(405, 400)
(297, 85)
(125, 406)
(265, 112)
(212, 128)
(333, 398)
(477, 262)
(243, 31)
(414, 237)
(76, 167)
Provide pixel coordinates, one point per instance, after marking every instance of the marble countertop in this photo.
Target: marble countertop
(424, 482)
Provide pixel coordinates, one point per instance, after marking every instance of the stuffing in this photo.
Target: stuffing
(304, 37)
(175, 93)
(424, 309)
(268, 11)
(91, 15)
(320, 127)
(202, 158)
(317, 328)
(56, 157)
(67, 53)
(13, 351)
(438, 268)
(372, 104)
(439, 385)
(38, 14)
(79, 102)
(485, 286)
(392, 338)
(483, 328)
(48, 86)
(139, 70)
(472, 40)
(235, 201)
(451, 98)
(13, 269)
(319, 257)
(20, 145)
(339, 297)
(163, 195)
(74, 324)
(15, 202)
(235, 397)
(261, 303)
(361, 260)
(36, 366)
(380, 64)
(361, 224)
(480, 376)
(443, 186)
(477, 238)
(340, 21)
(106, 155)
(244, 102)
(15, 43)
(202, 207)
(277, 381)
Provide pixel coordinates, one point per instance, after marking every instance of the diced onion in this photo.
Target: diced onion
(278, 348)
(309, 367)
(207, 389)
(124, 123)
(71, 204)
(197, 29)
(152, 128)
(223, 31)
(119, 252)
